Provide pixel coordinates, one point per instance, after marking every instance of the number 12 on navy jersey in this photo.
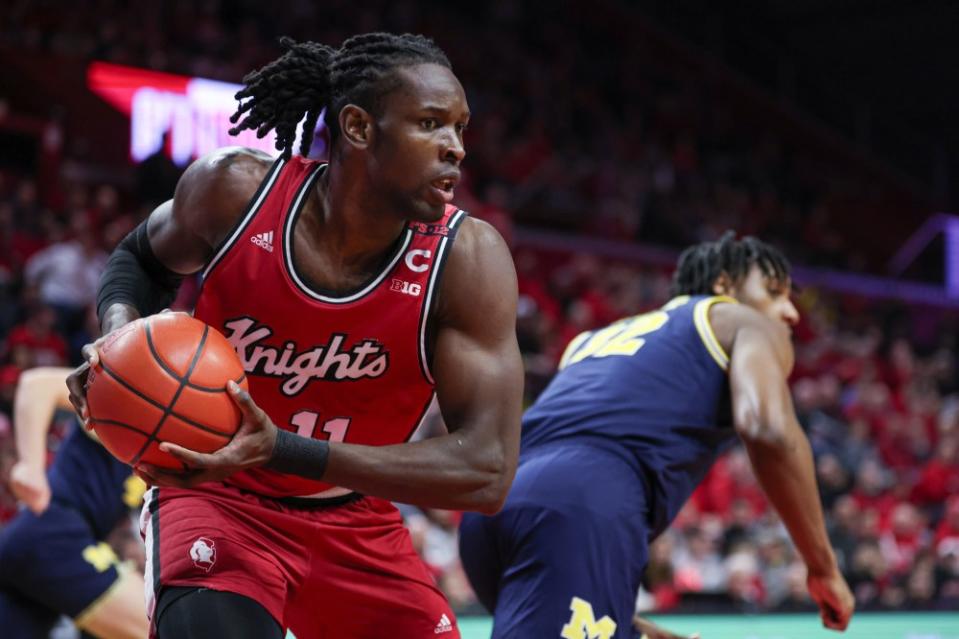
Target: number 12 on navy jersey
(624, 337)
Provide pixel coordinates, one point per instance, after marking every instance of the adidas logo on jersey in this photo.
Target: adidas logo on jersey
(443, 626)
(264, 240)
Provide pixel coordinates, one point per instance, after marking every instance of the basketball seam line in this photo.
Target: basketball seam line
(112, 373)
(119, 424)
(169, 409)
(172, 373)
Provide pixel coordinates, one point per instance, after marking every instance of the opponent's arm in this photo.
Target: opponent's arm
(760, 362)
(177, 239)
(40, 391)
(479, 384)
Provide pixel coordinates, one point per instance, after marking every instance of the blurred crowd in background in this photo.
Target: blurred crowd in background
(643, 144)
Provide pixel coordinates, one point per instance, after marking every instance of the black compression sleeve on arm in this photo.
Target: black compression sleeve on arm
(295, 455)
(135, 276)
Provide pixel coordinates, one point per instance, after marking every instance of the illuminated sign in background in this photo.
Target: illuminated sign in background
(195, 111)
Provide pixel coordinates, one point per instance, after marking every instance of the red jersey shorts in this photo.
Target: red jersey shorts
(346, 571)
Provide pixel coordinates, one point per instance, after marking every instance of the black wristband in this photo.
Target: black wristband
(302, 456)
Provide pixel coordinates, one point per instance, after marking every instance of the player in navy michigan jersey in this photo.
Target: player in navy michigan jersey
(626, 430)
(53, 557)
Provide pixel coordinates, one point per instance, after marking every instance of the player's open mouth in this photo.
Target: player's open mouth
(444, 188)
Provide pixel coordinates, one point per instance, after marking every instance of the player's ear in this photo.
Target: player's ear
(356, 126)
(723, 284)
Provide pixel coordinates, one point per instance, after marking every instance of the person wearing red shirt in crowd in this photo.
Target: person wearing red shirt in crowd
(37, 335)
(940, 476)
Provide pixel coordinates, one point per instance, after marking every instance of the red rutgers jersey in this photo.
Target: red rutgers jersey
(350, 367)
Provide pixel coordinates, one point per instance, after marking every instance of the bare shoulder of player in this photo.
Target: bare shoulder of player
(479, 281)
(216, 188)
(733, 322)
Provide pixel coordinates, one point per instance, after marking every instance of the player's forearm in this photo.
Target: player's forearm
(444, 472)
(116, 315)
(784, 467)
(30, 430)
(134, 282)
(33, 409)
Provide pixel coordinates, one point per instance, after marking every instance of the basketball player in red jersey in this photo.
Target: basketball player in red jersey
(353, 292)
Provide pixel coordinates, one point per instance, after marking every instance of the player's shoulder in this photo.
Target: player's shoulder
(227, 167)
(216, 188)
(730, 321)
(479, 270)
(479, 250)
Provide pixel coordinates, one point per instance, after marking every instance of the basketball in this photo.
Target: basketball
(163, 379)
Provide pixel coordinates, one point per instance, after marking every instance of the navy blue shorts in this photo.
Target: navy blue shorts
(52, 565)
(565, 556)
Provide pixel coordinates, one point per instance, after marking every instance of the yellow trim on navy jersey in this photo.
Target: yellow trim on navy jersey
(572, 347)
(705, 328)
(676, 302)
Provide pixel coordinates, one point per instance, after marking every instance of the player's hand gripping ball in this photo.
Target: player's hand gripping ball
(163, 379)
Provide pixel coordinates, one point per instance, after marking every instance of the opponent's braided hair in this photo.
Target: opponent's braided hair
(310, 76)
(700, 265)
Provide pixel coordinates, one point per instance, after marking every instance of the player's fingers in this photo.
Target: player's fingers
(38, 503)
(91, 354)
(156, 476)
(43, 503)
(75, 385)
(830, 619)
(190, 457)
(244, 401)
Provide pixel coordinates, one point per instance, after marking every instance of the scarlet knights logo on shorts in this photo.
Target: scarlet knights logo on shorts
(203, 553)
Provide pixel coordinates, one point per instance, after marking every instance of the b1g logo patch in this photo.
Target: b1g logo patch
(584, 625)
(402, 286)
(203, 553)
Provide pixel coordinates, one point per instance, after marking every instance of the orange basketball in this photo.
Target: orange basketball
(163, 379)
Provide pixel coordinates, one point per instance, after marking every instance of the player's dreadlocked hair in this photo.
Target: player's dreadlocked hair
(700, 265)
(310, 76)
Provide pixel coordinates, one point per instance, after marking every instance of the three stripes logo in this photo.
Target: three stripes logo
(445, 625)
(264, 240)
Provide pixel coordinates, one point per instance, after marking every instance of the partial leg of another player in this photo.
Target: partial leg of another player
(119, 612)
(54, 561)
(564, 557)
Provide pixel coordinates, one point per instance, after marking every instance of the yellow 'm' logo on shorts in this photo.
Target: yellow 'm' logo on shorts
(100, 556)
(584, 625)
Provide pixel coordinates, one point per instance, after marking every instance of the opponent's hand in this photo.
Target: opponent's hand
(252, 446)
(835, 600)
(649, 630)
(28, 483)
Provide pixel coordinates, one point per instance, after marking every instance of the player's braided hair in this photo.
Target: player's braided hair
(700, 265)
(310, 76)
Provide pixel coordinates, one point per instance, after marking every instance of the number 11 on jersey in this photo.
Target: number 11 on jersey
(306, 420)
